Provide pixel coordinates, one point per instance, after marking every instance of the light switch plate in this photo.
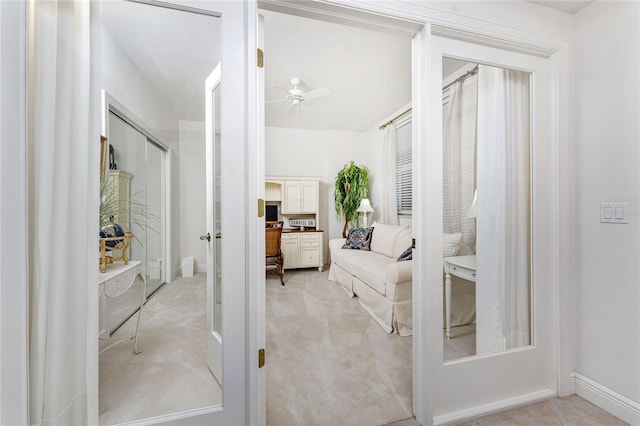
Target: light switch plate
(617, 212)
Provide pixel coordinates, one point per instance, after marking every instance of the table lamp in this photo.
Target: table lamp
(365, 207)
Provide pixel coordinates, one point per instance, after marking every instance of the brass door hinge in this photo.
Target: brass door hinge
(260, 58)
(260, 207)
(260, 358)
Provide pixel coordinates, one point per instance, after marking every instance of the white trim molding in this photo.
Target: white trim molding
(467, 414)
(607, 399)
(13, 212)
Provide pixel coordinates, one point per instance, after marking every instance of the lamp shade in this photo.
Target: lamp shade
(365, 206)
(473, 209)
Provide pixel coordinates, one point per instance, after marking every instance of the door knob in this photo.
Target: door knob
(206, 237)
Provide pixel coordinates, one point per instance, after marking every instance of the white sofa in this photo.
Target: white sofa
(382, 284)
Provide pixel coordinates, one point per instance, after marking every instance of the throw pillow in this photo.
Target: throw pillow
(406, 255)
(451, 244)
(385, 237)
(359, 239)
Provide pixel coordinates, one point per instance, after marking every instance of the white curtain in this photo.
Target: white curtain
(63, 173)
(503, 246)
(459, 154)
(389, 210)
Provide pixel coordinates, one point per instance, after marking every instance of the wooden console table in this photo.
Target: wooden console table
(460, 266)
(118, 300)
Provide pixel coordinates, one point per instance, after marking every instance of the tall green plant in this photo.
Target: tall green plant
(351, 188)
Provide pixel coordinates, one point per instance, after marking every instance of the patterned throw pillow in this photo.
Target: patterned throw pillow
(406, 255)
(359, 239)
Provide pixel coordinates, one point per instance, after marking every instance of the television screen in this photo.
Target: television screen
(271, 213)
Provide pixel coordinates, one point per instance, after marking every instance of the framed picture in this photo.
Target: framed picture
(104, 148)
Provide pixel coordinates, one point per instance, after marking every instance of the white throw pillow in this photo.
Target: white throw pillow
(384, 238)
(451, 244)
(403, 242)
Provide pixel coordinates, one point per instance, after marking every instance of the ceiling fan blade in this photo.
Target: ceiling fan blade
(277, 86)
(323, 91)
(276, 101)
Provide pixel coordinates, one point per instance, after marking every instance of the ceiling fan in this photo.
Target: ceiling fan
(296, 96)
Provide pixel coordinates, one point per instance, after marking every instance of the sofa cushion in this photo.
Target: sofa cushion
(358, 239)
(384, 238)
(372, 271)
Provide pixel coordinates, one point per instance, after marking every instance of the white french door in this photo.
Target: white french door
(497, 378)
(226, 199)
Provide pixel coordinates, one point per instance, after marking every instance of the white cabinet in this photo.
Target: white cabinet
(300, 196)
(302, 250)
(290, 250)
(273, 190)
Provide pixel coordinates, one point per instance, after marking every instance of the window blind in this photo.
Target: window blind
(404, 172)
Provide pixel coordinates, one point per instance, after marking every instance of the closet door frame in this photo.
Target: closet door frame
(111, 105)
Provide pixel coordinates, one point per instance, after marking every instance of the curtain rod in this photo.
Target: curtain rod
(462, 77)
(382, 126)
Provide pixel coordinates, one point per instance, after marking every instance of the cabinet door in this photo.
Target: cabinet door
(292, 194)
(291, 251)
(310, 257)
(310, 249)
(309, 202)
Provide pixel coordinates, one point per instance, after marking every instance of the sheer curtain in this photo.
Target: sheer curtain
(459, 153)
(503, 314)
(62, 218)
(389, 210)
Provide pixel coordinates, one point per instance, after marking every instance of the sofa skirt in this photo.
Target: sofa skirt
(342, 277)
(379, 307)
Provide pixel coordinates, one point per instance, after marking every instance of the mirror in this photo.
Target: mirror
(486, 209)
(153, 77)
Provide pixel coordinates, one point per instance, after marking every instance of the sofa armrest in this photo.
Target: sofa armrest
(336, 244)
(399, 272)
(398, 282)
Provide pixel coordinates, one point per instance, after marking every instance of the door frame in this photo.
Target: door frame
(448, 24)
(425, 22)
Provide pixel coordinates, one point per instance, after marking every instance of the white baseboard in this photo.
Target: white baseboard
(493, 407)
(616, 404)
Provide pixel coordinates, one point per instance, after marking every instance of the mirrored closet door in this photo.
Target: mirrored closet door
(138, 157)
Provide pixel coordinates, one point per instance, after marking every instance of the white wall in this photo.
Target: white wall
(192, 202)
(315, 153)
(607, 163)
(122, 80)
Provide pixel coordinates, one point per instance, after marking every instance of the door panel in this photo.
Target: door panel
(528, 371)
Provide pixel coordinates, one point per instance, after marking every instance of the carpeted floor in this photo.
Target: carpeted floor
(328, 361)
(171, 373)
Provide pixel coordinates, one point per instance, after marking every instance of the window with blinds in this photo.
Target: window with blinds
(404, 172)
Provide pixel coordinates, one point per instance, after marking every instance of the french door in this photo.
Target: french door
(513, 251)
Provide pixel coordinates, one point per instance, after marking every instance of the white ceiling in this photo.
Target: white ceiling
(367, 72)
(568, 6)
(174, 50)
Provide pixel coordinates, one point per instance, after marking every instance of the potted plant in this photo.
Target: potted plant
(351, 188)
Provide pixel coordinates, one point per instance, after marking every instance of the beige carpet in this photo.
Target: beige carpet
(328, 361)
(171, 373)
